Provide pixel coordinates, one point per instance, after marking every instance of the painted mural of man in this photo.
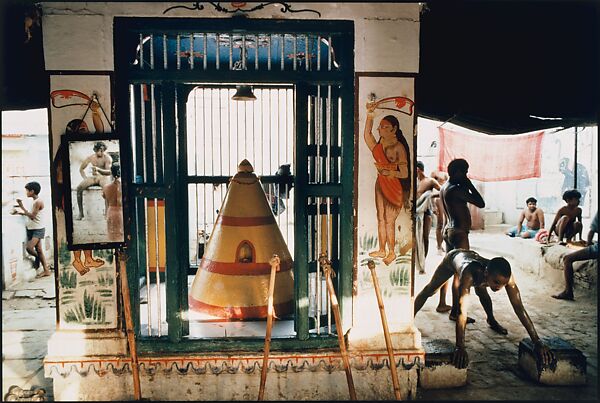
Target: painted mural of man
(392, 187)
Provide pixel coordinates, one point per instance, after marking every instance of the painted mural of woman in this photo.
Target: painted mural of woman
(392, 187)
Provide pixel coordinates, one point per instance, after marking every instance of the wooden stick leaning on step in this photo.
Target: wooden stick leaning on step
(328, 272)
(137, 393)
(386, 333)
(275, 262)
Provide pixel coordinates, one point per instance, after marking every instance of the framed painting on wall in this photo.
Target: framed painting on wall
(94, 197)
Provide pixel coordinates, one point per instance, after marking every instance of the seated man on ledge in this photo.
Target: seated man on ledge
(591, 251)
(471, 270)
(535, 221)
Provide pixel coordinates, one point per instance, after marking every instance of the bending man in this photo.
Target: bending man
(476, 271)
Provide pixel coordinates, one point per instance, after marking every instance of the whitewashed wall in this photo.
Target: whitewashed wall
(78, 36)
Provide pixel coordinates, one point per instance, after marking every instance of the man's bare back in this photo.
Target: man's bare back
(455, 206)
(426, 184)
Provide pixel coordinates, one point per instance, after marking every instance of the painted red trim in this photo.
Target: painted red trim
(241, 312)
(241, 269)
(152, 202)
(245, 221)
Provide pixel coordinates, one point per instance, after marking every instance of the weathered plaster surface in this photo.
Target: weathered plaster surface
(291, 377)
(78, 36)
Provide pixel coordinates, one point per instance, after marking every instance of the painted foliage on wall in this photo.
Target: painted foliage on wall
(385, 143)
(87, 297)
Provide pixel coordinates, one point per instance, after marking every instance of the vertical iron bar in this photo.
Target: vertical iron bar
(269, 52)
(148, 298)
(318, 128)
(141, 51)
(218, 52)
(295, 51)
(256, 53)
(143, 121)
(165, 54)
(316, 251)
(243, 52)
(329, 53)
(178, 52)
(153, 126)
(319, 53)
(157, 252)
(191, 59)
(151, 51)
(306, 54)
(230, 52)
(328, 135)
(204, 53)
(575, 163)
(282, 51)
(329, 257)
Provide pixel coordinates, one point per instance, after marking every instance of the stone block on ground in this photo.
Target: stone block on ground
(439, 372)
(570, 368)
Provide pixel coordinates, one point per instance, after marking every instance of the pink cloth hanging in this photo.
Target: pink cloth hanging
(493, 158)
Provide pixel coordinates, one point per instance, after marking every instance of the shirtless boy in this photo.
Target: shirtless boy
(441, 178)
(101, 163)
(112, 193)
(425, 187)
(535, 221)
(567, 222)
(472, 270)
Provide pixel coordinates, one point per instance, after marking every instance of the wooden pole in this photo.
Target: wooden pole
(275, 262)
(137, 392)
(386, 333)
(338, 323)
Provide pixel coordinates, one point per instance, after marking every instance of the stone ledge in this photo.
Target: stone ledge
(569, 369)
(439, 372)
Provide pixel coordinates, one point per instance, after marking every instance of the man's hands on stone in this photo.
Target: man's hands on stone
(543, 353)
(460, 358)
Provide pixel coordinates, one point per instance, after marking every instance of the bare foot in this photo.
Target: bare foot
(43, 274)
(443, 308)
(564, 295)
(389, 258)
(377, 253)
(421, 271)
(469, 319)
(79, 217)
(94, 263)
(80, 267)
(440, 252)
(496, 327)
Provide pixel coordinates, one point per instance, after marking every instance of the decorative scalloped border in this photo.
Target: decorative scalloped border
(216, 365)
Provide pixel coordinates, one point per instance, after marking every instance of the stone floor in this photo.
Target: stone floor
(28, 320)
(493, 373)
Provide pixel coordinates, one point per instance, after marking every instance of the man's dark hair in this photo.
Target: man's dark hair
(36, 187)
(420, 165)
(531, 200)
(500, 266)
(99, 145)
(457, 165)
(115, 170)
(571, 194)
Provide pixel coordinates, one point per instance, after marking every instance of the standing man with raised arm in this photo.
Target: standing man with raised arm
(455, 194)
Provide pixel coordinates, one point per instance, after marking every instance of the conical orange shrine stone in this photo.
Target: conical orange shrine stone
(233, 278)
